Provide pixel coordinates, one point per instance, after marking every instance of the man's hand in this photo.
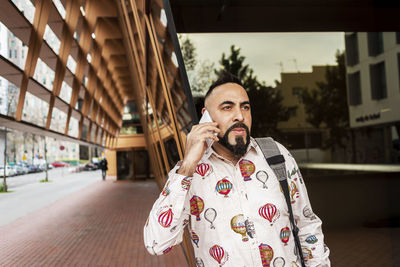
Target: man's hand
(196, 146)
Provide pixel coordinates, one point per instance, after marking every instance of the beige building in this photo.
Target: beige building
(303, 139)
(373, 79)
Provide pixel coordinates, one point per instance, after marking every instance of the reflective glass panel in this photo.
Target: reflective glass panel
(66, 92)
(9, 94)
(26, 7)
(60, 8)
(12, 48)
(44, 74)
(73, 128)
(35, 110)
(52, 40)
(58, 120)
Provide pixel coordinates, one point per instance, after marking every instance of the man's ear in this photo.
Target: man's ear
(203, 110)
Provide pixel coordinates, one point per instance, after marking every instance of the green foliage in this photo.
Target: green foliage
(327, 105)
(44, 181)
(266, 101)
(188, 52)
(200, 72)
(2, 189)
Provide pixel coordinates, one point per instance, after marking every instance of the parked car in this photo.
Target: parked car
(57, 164)
(90, 167)
(18, 170)
(23, 168)
(9, 171)
(34, 168)
(96, 162)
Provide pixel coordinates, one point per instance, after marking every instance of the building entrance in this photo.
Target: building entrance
(133, 165)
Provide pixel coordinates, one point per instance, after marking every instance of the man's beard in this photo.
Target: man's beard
(240, 148)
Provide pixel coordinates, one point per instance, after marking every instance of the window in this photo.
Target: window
(375, 43)
(15, 53)
(296, 91)
(398, 37)
(79, 104)
(351, 43)
(354, 88)
(1, 101)
(378, 81)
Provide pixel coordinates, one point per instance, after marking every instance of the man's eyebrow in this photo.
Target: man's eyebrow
(227, 102)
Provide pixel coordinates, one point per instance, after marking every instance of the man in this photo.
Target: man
(103, 167)
(229, 196)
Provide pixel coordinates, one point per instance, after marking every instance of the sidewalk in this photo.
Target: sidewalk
(99, 225)
(29, 195)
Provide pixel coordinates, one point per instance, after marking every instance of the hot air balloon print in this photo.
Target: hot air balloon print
(185, 183)
(219, 254)
(307, 212)
(285, 235)
(247, 168)
(269, 212)
(307, 254)
(165, 251)
(203, 169)
(262, 176)
(266, 253)
(311, 239)
(195, 238)
(279, 262)
(199, 262)
(224, 187)
(165, 217)
(196, 206)
(251, 231)
(210, 214)
(238, 226)
(294, 192)
(166, 190)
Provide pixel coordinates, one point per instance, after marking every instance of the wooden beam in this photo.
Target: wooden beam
(42, 12)
(167, 93)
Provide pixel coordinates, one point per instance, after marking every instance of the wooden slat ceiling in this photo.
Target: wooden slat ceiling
(96, 39)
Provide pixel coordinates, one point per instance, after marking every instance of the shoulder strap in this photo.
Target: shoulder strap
(276, 161)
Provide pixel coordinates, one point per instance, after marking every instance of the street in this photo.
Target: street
(21, 180)
(28, 194)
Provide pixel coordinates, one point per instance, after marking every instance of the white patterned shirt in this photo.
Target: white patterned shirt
(237, 214)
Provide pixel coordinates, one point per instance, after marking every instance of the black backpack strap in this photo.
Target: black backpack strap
(277, 163)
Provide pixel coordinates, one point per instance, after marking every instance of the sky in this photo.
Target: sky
(265, 51)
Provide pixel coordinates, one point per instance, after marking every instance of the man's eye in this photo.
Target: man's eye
(246, 107)
(226, 108)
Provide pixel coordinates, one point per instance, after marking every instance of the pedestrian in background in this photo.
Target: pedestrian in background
(103, 167)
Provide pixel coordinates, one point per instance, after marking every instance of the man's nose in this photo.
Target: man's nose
(238, 115)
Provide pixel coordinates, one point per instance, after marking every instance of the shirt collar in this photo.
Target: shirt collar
(210, 151)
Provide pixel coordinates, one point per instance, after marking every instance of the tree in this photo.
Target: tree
(188, 52)
(200, 72)
(266, 101)
(327, 105)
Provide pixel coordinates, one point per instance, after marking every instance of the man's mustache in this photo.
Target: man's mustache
(238, 125)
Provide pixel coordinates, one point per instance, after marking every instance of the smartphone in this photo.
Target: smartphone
(207, 118)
